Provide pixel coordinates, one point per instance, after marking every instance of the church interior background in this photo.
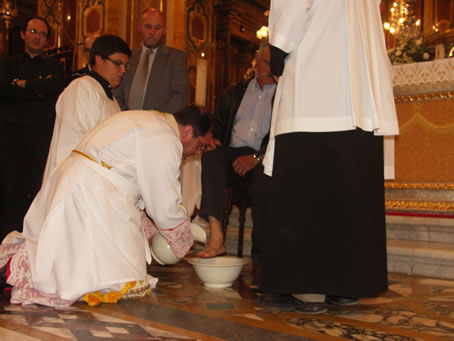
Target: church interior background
(220, 38)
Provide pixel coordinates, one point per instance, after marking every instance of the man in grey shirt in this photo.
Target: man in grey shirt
(242, 123)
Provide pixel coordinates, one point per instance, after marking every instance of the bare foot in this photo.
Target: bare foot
(210, 251)
(216, 245)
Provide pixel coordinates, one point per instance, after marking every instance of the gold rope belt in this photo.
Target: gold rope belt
(91, 158)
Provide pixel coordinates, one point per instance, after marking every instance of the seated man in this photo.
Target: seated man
(242, 122)
(88, 100)
(83, 232)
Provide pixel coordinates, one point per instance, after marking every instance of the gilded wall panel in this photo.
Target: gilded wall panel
(102, 17)
(425, 146)
(424, 149)
(50, 10)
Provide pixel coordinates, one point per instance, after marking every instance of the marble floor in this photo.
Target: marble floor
(181, 308)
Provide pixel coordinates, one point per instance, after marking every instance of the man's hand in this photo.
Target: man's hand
(244, 164)
(212, 144)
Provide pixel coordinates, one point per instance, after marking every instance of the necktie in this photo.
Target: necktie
(136, 94)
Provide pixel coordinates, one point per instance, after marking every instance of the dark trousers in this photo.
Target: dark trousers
(26, 150)
(218, 173)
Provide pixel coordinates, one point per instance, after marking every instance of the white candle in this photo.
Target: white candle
(201, 82)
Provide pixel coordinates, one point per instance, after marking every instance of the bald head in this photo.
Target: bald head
(152, 28)
(90, 39)
(88, 43)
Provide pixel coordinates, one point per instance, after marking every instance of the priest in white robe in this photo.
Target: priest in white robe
(83, 231)
(333, 105)
(88, 100)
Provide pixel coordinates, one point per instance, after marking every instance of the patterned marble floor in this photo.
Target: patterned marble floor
(180, 308)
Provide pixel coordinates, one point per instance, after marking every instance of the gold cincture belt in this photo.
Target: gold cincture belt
(91, 158)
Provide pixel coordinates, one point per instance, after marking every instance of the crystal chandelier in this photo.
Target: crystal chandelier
(398, 16)
(8, 12)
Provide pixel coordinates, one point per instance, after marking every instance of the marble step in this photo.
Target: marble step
(422, 246)
(407, 257)
(421, 258)
(426, 229)
(423, 229)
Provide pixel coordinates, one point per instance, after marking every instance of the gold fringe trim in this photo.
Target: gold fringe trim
(439, 96)
(423, 186)
(420, 206)
(96, 298)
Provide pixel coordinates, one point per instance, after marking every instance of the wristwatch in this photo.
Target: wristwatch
(258, 157)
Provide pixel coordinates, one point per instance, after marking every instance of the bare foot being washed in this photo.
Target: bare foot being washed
(211, 253)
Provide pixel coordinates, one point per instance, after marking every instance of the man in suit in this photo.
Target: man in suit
(158, 78)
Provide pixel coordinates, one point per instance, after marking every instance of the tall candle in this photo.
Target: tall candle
(201, 82)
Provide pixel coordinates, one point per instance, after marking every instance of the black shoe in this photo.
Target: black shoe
(342, 301)
(312, 308)
(285, 302)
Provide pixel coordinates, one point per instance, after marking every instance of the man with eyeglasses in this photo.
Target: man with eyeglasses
(83, 232)
(29, 86)
(88, 100)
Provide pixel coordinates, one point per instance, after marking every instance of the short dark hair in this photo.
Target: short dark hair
(200, 120)
(107, 45)
(25, 25)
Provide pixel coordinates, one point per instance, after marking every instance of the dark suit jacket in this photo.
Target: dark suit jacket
(225, 113)
(168, 83)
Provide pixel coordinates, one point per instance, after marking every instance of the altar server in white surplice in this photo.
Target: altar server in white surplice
(334, 103)
(88, 100)
(83, 231)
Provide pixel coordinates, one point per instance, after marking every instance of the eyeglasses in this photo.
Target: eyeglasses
(118, 63)
(35, 32)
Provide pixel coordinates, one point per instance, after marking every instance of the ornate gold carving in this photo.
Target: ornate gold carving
(420, 197)
(445, 207)
(438, 96)
(423, 186)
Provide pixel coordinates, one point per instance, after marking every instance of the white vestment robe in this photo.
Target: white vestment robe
(326, 87)
(81, 106)
(83, 230)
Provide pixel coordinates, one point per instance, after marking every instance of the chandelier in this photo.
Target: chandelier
(8, 12)
(399, 13)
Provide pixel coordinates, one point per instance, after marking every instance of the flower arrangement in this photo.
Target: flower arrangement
(410, 50)
(405, 30)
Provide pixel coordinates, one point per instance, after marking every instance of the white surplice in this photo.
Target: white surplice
(81, 106)
(83, 231)
(325, 86)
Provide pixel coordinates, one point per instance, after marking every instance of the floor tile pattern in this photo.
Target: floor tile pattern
(181, 308)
